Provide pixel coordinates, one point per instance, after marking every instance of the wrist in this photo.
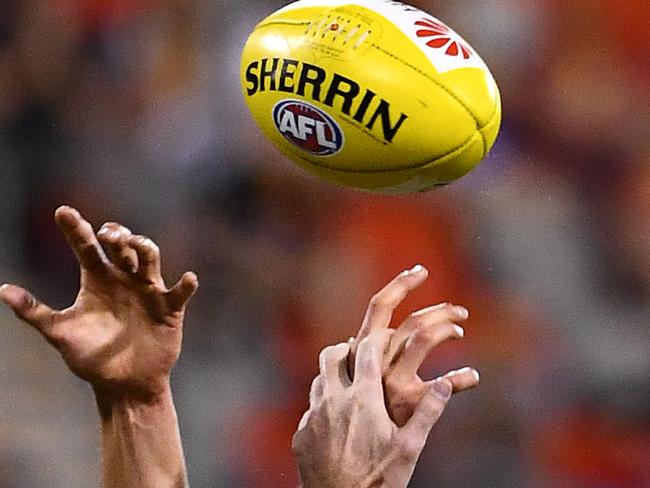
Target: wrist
(141, 442)
(370, 481)
(121, 400)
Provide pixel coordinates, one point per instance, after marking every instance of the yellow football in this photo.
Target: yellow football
(371, 94)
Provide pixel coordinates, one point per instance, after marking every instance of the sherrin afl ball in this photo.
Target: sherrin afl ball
(370, 94)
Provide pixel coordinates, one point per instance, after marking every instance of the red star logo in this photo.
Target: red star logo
(442, 37)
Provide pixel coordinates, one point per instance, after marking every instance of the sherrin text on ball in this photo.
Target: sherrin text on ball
(370, 94)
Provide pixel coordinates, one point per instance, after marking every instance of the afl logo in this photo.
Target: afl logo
(308, 127)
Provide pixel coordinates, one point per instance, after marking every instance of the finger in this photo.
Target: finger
(443, 312)
(333, 368)
(115, 239)
(81, 238)
(179, 296)
(426, 414)
(303, 420)
(420, 344)
(383, 304)
(368, 364)
(148, 259)
(463, 379)
(316, 391)
(27, 308)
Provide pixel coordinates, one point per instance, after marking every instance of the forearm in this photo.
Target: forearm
(141, 444)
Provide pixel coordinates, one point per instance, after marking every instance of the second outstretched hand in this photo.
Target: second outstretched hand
(347, 438)
(123, 332)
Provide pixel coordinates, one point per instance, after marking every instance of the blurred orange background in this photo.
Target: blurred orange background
(131, 111)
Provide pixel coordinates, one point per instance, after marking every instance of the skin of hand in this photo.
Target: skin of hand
(346, 438)
(411, 343)
(122, 335)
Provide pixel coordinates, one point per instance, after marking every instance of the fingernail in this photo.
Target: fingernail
(468, 370)
(442, 389)
(418, 268)
(459, 330)
(102, 231)
(462, 312)
(3, 290)
(8, 295)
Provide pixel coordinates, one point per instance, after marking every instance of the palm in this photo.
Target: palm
(113, 325)
(124, 329)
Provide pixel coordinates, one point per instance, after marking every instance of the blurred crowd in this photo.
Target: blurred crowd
(131, 111)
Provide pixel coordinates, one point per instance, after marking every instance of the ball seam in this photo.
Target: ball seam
(459, 148)
(430, 78)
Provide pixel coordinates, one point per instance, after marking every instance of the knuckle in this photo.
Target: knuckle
(148, 243)
(325, 354)
(139, 241)
(316, 382)
(421, 336)
(325, 358)
(333, 353)
(122, 229)
(377, 301)
(121, 235)
(450, 329)
(29, 301)
(364, 344)
(457, 312)
(446, 330)
(341, 350)
(448, 309)
(153, 247)
(417, 321)
(146, 246)
(402, 281)
(409, 447)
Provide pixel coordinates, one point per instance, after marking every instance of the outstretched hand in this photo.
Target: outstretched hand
(412, 342)
(123, 332)
(369, 412)
(346, 438)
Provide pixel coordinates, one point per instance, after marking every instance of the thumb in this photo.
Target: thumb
(26, 307)
(426, 414)
(183, 291)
